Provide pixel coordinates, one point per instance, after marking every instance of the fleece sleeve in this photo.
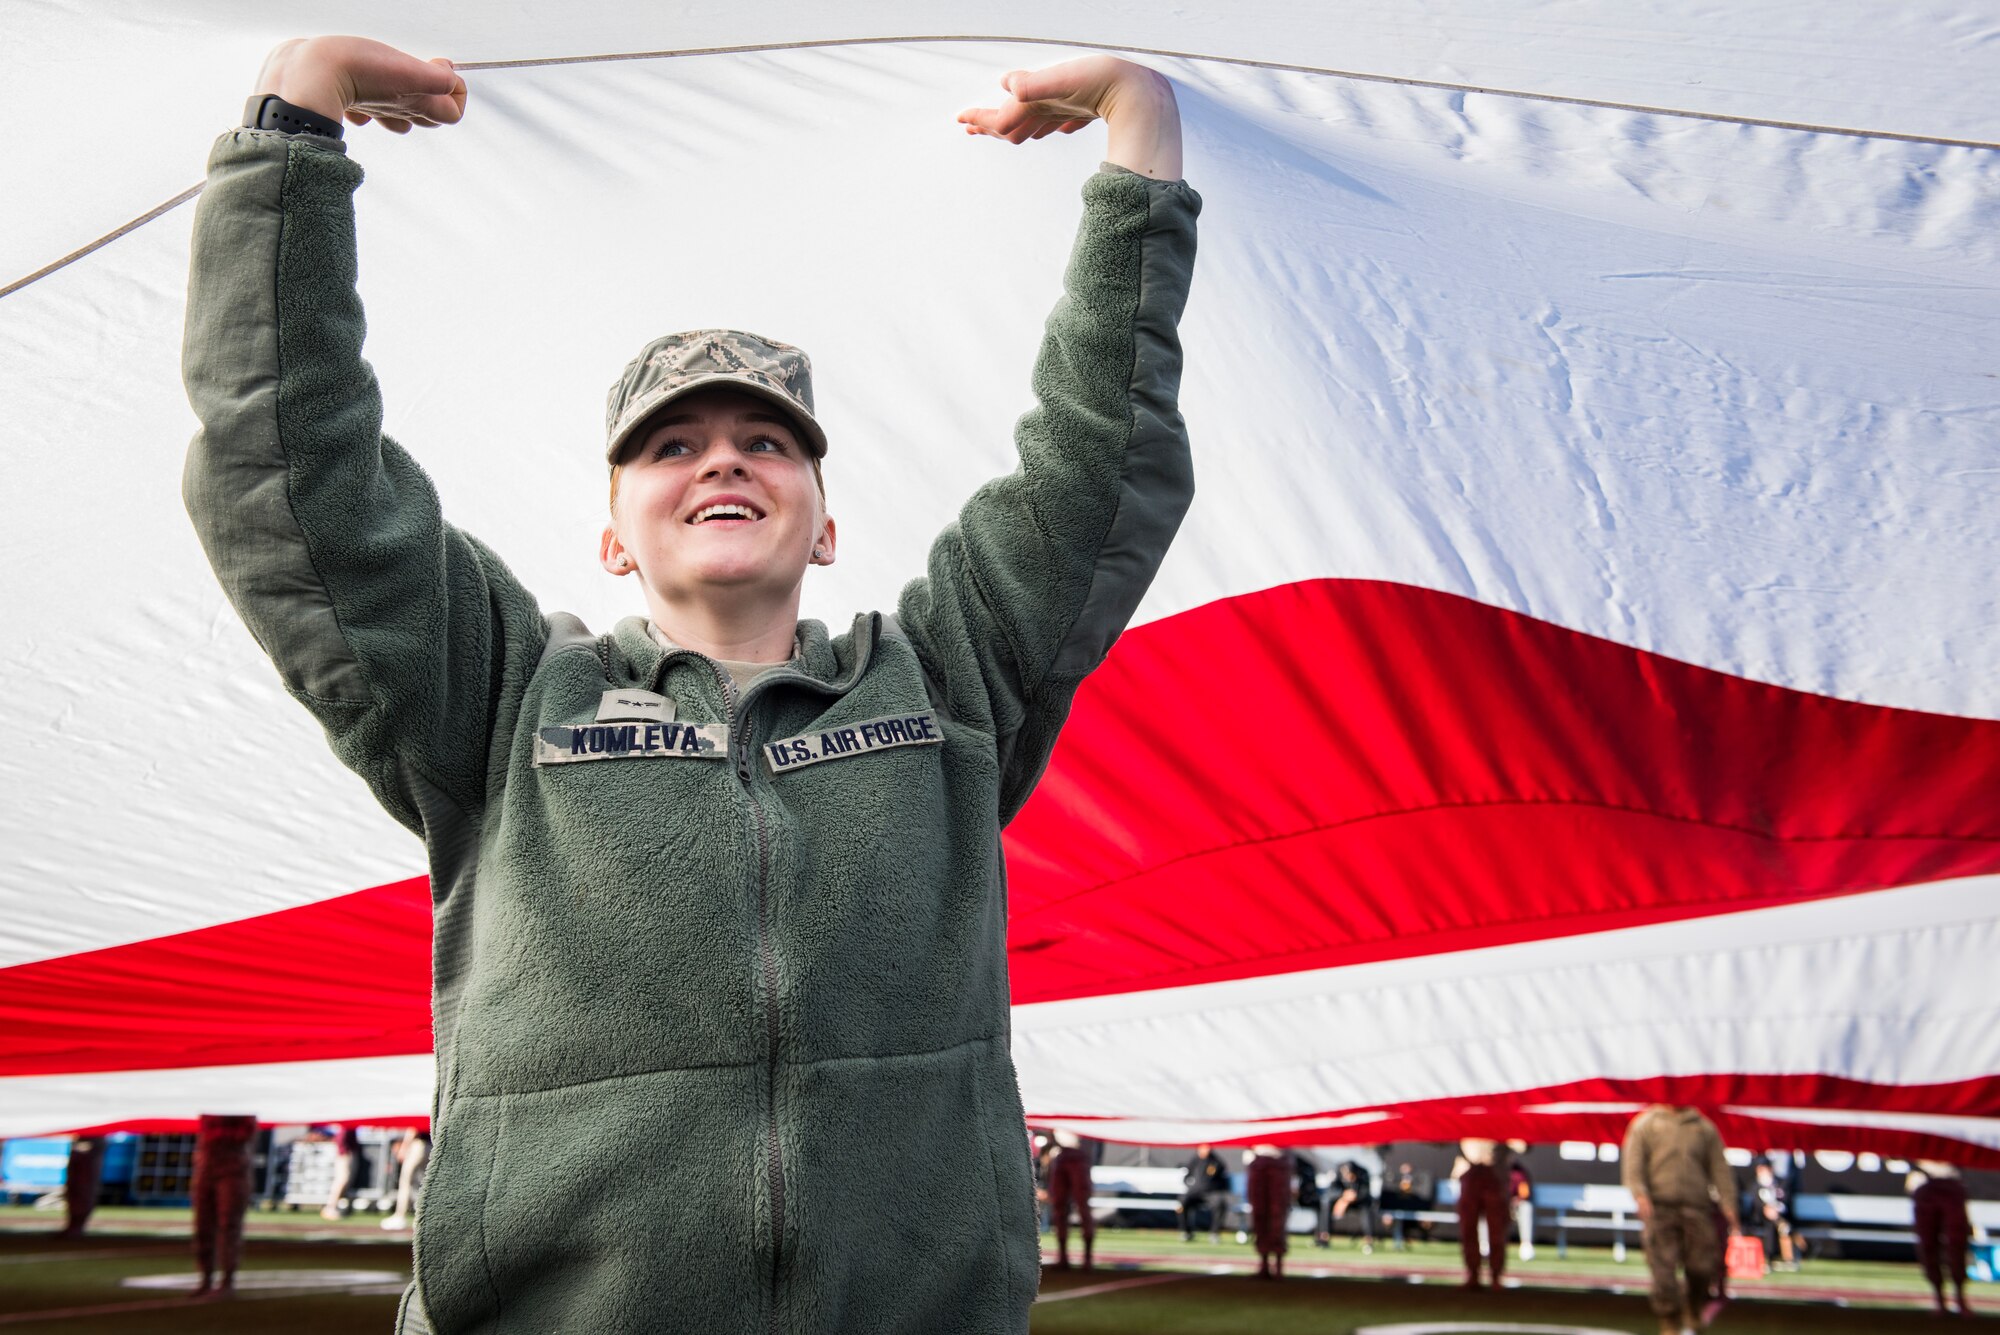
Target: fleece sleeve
(401, 634)
(1026, 592)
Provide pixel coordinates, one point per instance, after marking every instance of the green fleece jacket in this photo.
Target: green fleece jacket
(720, 980)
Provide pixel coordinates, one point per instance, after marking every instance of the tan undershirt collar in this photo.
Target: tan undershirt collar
(739, 672)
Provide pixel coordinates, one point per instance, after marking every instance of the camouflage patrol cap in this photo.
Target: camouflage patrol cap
(679, 364)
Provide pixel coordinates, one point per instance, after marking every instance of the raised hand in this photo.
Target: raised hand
(1136, 105)
(364, 80)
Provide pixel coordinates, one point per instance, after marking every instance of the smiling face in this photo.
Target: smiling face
(717, 501)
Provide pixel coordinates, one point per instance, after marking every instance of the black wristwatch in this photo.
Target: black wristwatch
(268, 111)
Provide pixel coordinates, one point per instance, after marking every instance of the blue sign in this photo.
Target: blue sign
(40, 1163)
(121, 1152)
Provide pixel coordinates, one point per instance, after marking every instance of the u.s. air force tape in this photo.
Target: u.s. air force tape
(854, 739)
(568, 745)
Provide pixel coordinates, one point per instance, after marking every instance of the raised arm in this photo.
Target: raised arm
(398, 632)
(1026, 592)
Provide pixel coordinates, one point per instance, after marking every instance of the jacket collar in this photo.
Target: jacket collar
(636, 655)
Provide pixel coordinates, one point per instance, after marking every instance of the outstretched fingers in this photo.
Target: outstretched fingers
(1018, 122)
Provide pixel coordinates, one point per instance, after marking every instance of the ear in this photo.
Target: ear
(823, 545)
(611, 554)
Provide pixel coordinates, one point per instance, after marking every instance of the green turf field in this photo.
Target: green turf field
(1150, 1283)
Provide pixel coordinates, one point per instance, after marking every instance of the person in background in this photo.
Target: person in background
(1791, 1176)
(411, 1153)
(1353, 1189)
(1770, 1217)
(221, 1191)
(1305, 1186)
(279, 1178)
(1482, 1196)
(1042, 1148)
(1069, 1189)
(1521, 1194)
(81, 1181)
(1406, 1191)
(1204, 1183)
(1269, 1190)
(1672, 1163)
(346, 1160)
(1943, 1229)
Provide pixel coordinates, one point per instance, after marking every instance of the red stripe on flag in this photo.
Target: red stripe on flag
(1534, 1115)
(1339, 771)
(346, 977)
(1315, 775)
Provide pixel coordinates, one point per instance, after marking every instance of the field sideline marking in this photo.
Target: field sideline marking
(105, 1309)
(1093, 1290)
(182, 1301)
(1480, 1328)
(157, 1249)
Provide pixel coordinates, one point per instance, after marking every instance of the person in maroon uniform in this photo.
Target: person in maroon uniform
(221, 1196)
(1069, 1187)
(1269, 1190)
(1943, 1229)
(81, 1182)
(1482, 1194)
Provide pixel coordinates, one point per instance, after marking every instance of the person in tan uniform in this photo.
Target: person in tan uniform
(1674, 1167)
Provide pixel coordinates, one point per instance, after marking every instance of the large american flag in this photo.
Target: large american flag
(1573, 688)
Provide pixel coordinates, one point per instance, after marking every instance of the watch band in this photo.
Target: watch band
(268, 111)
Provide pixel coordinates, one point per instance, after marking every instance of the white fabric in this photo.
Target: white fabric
(1718, 392)
(1921, 68)
(1744, 993)
(354, 1090)
(1715, 392)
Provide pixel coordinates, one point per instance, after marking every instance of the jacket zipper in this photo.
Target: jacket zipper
(767, 955)
(767, 961)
